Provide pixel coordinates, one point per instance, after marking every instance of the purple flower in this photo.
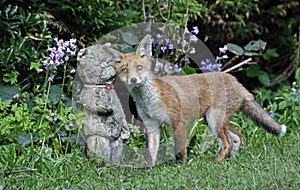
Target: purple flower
(50, 79)
(225, 57)
(158, 36)
(298, 93)
(195, 30)
(293, 89)
(193, 50)
(168, 41)
(272, 114)
(194, 38)
(177, 69)
(72, 71)
(153, 42)
(60, 53)
(208, 66)
(184, 43)
(171, 46)
(158, 66)
(223, 49)
(163, 48)
(187, 31)
(59, 42)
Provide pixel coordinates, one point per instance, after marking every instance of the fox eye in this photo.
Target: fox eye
(139, 67)
(125, 71)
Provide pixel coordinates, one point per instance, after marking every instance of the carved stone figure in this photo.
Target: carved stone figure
(105, 125)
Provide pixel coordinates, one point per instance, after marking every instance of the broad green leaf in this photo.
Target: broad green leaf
(54, 94)
(188, 70)
(282, 105)
(25, 139)
(130, 38)
(7, 92)
(235, 49)
(253, 71)
(297, 75)
(272, 52)
(257, 45)
(264, 78)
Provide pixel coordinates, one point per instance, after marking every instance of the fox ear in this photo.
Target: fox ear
(117, 56)
(145, 47)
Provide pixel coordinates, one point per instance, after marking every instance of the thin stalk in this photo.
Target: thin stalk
(62, 85)
(238, 65)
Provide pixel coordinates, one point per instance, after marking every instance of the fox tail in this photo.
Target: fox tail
(257, 113)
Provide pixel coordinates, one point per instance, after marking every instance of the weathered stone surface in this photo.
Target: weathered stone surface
(104, 125)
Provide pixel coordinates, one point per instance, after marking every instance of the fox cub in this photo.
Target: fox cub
(216, 96)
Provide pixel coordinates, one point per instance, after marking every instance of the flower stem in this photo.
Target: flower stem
(62, 86)
(48, 85)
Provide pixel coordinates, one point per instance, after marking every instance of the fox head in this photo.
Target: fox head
(135, 68)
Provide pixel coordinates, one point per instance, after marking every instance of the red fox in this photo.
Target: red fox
(216, 96)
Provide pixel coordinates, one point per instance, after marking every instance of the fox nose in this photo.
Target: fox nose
(133, 80)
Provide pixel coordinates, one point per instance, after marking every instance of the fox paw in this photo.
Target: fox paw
(236, 143)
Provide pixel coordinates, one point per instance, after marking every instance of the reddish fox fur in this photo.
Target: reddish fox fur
(215, 96)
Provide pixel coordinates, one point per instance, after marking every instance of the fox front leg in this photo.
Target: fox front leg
(153, 140)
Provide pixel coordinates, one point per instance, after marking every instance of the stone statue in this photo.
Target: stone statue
(104, 125)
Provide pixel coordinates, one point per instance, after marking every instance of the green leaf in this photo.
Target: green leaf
(250, 53)
(235, 49)
(282, 105)
(188, 70)
(11, 77)
(257, 45)
(54, 94)
(253, 71)
(25, 139)
(7, 92)
(272, 52)
(130, 38)
(264, 78)
(35, 65)
(297, 75)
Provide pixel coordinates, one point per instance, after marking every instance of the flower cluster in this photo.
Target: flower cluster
(208, 66)
(59, 54)
(167, 46)
(223, 51)
(296, 92)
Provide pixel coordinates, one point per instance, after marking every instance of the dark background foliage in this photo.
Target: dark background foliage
(27, 27)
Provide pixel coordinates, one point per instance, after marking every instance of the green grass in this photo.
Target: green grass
(265, 162)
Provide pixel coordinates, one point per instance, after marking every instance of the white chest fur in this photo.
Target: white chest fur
(148, 103)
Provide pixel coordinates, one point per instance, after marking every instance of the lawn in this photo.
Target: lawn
(264, 162)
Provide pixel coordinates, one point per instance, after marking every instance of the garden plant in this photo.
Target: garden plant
(40, 142)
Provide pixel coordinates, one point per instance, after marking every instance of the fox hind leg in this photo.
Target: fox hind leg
(236, 139)
(217, 121)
